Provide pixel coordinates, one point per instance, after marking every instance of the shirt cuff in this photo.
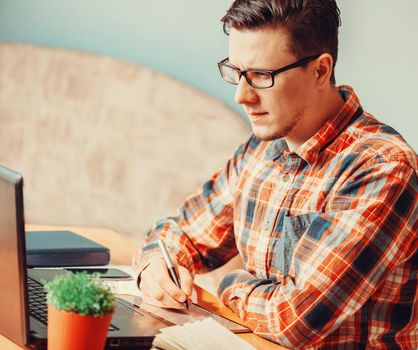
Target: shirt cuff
(235, 289)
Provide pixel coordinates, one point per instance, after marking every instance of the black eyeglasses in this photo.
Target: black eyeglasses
(257, 78)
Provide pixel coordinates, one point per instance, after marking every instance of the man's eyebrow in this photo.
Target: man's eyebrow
(245, 69)
(231, 64)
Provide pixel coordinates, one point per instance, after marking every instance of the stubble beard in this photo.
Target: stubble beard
(285, 130)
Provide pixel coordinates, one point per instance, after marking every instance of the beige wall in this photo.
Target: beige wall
(106, 143)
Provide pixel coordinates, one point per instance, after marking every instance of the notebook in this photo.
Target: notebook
(63, 248)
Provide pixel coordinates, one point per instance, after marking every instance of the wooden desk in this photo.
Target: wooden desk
(122, 251)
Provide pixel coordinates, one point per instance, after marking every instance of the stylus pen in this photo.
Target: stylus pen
(170, 267)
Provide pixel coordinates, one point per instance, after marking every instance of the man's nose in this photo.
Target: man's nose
(245, 93)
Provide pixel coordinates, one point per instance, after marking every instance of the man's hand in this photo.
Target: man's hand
(158, 289)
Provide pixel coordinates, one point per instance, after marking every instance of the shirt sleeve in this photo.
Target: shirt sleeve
(338, 263)
(201, 235)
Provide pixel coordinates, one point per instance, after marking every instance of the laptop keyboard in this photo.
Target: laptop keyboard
(37, 301)
(38, 307)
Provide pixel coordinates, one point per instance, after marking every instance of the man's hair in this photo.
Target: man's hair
(311, 24)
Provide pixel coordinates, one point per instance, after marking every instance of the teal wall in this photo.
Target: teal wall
(183, 38)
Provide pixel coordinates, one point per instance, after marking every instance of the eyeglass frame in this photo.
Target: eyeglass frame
(299, 63)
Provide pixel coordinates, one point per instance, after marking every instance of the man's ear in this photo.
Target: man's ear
(323, 69)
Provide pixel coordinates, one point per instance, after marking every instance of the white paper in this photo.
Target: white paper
(206, 334)
(126, 287)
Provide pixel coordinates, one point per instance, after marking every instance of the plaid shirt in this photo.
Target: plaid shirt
(327, 233)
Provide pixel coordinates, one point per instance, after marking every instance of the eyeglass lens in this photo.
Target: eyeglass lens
(230, 75)
(256, 78)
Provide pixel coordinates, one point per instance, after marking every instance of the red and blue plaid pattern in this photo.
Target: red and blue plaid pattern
(328, 235)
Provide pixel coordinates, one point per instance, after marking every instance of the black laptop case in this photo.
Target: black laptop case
(63, 248)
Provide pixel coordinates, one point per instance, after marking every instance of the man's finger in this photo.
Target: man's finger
(160, 296)
(175, 292)
(166, 302)
(186, 280)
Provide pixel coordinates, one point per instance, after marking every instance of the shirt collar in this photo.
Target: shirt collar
(309, 151)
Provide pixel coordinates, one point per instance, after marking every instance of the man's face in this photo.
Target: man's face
(278, 111)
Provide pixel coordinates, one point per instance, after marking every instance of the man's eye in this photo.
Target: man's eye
(260, 75)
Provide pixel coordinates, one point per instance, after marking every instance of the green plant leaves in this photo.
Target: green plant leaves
(80, 293)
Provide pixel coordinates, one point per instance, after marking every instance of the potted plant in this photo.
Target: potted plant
(80, 308)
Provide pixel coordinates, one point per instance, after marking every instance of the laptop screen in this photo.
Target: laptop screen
(14, 322)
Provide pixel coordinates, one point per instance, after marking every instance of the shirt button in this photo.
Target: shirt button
(267, 226)
(285, 177)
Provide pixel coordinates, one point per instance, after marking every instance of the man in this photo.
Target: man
(320, 202)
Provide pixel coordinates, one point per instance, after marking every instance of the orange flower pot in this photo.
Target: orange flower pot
(69, 331)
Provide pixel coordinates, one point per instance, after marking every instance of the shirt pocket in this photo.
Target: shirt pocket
(283, 245)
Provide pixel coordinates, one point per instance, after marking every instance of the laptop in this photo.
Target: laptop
(22, 298)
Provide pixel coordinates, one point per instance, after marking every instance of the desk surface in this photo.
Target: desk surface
(122, 251)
